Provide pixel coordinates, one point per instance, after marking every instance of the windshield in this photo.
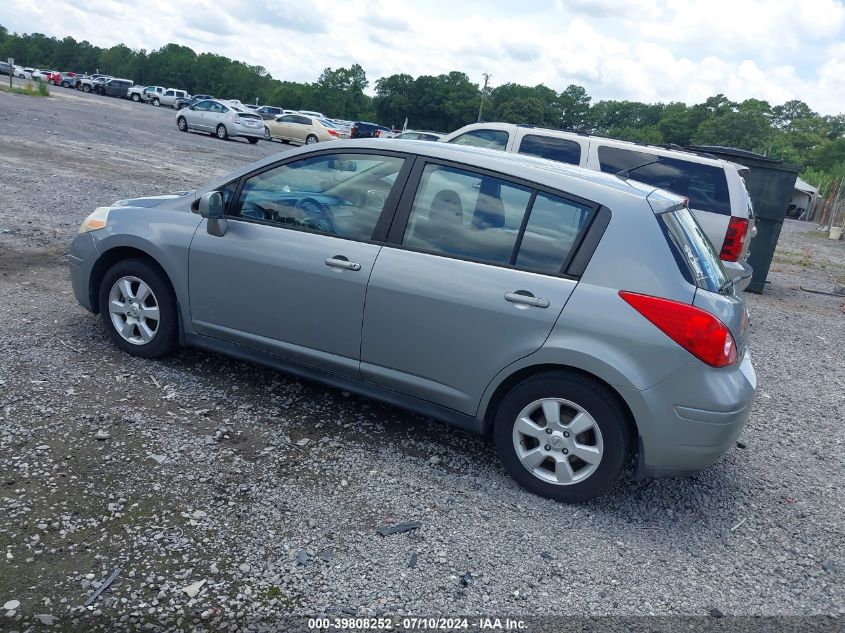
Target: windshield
(693, 251)
(327, 123)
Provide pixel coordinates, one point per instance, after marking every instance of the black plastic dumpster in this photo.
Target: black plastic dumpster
(770, 185)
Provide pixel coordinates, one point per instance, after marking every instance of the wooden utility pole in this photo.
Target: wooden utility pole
(483, 95)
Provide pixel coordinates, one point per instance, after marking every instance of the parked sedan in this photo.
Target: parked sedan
(581, 319)
(299, 128)
(224, 120)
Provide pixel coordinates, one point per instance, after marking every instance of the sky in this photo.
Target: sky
(646, 50)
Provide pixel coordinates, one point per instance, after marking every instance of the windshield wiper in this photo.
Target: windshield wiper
(626, 173)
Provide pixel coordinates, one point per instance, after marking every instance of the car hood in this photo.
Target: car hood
(150, 201)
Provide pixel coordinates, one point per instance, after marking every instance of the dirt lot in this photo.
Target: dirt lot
(270, 489)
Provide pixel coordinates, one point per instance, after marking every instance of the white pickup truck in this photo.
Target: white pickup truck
(168, 97)
(143, 93)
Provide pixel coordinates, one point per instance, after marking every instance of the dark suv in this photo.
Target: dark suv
(113, 87)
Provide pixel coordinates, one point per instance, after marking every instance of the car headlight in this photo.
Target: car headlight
(96, 220)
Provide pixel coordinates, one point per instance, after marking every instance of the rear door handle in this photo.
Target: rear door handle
(526, 298)
(339, 261)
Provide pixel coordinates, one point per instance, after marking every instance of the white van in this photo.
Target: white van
(715, 188)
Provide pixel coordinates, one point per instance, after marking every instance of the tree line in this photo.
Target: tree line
(791, 131)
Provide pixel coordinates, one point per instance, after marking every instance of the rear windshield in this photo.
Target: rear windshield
(705, 186)
(695, 255)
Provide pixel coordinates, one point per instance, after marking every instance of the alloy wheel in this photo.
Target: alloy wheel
(134, 310)
(557, 441)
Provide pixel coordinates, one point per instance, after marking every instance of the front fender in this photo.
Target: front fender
(163, 234)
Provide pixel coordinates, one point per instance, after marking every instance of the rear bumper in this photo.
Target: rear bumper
(740, 273)
(689, 420)
(243, 130)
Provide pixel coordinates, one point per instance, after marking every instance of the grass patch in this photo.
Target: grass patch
(39, 89)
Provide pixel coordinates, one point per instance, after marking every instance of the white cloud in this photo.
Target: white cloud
(667, 50)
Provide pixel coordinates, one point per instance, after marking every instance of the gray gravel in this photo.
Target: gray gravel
(193, 475)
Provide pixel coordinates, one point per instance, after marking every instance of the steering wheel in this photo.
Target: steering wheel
(315, 208)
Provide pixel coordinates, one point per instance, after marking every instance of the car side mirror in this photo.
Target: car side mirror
(212, 209)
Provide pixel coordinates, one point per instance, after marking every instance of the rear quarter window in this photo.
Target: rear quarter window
(706, 186)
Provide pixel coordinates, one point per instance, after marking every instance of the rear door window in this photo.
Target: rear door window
(705, 186)
(466, 215)
(693, 251)
(491, 139)
(559, 149)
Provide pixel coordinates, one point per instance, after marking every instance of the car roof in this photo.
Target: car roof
(588, 184)
(658, 150)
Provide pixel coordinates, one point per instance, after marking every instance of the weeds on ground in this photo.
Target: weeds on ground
(39, 89)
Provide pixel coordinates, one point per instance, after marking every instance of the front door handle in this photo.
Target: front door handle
(524, 297)
(339, 261)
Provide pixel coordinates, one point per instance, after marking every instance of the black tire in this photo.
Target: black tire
(52, 82)
(86, 88)
(222, 133)
(592, 396)
(182, 124)
(311, 139)
(166, 338)
(156, 102)
(65, 84)
(252, 139)
(136, 97)
(267, 135)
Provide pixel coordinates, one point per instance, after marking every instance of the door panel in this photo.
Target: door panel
(270, 288)
(448, 309)
(441, 329)
(289, 276)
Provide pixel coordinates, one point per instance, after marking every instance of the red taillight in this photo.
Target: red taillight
(697, 331)
(377, 133)
(734, 239)
(332, 132)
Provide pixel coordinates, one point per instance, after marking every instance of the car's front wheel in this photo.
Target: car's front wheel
(182, 124)
(222, 132)
(156, 102)
(136, 97)
(65, 84)
(267, 135)
(86, 88)
(563, 436)
(138, 309)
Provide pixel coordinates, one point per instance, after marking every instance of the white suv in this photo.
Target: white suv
(714, 188)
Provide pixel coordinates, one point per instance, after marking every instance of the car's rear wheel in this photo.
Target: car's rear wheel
(182, 124)
(563, 436)
(311, 139)
(222, 132)
(138, 309)
(86, 88)
(267, 135)
(252, 139)
(136, 97)
(156, 102)
(52, 82)
(65, 84)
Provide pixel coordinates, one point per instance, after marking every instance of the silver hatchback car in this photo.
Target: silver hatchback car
(224, 120)
(578, 317)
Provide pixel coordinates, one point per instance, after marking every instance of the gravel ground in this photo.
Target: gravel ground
(262, 493)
